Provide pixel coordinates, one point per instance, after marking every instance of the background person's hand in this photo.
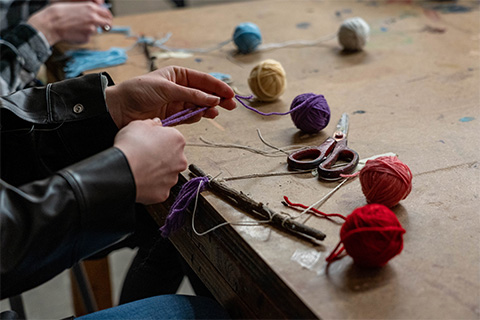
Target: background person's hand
(155, 155)
(100, 2)
(166, 91)
(73, 22)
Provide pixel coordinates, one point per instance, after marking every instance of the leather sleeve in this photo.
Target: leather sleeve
(48, 225)
(60, 102)
(48, 128)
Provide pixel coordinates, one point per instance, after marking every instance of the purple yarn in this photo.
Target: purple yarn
(182, 115)
(176, 216)
(240, 98)
(311, 112)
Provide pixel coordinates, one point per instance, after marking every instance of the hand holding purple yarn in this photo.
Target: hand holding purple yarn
(313, 116)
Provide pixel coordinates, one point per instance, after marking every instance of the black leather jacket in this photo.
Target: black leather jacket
(65, 192)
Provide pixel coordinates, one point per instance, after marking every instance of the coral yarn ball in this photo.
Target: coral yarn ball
(267, 80)
(372, 235)
(385, 180)
(314, 116)
(247, 37)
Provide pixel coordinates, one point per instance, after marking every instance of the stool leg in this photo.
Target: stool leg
(16, 304)
(84, 287)
(179, 3)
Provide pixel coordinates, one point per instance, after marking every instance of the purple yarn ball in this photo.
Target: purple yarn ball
(313, 116)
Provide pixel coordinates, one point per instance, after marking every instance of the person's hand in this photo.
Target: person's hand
(155, 155)
(70, 22)
(166, 91)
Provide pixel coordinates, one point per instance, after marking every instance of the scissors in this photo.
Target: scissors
(326, 155)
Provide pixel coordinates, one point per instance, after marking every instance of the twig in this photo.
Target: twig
(258, 209)
(146, 51)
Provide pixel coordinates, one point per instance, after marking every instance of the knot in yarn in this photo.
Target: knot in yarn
(353, 34)
(247, 37)
(267, 80)
(385, 180)
(371, 235)
(313, 116)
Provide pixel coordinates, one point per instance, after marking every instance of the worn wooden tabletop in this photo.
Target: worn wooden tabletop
(414, 91)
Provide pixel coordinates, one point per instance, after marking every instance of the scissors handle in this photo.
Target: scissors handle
(310, 158)
(340, 152)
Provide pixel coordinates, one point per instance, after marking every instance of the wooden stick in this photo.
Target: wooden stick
(146, 51)
(258, 209)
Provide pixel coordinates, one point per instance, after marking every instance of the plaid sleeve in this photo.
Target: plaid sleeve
(22, 52)
(13, 12)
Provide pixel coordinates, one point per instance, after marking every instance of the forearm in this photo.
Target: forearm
(48, 225)
(23, 50)
(44, 129)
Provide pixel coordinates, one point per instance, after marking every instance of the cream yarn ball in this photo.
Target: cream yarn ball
(267, 80)
(353, 34)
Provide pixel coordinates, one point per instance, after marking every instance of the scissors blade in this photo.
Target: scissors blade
(341, 130)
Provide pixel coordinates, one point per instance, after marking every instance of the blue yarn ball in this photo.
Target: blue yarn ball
(313, 116)
(247, 37)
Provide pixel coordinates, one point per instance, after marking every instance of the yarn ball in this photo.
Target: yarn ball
(314, 116)
(372, 235)
(385, 180)
(247, 37)
(353, 34)
(267, 80)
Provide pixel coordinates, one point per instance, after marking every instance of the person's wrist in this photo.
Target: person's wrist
(113, 105)
(42, 21)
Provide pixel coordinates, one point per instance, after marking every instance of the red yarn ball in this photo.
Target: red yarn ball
(372, 235)
(386, 180)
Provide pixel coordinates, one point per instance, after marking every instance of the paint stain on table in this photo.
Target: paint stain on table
(303, 25)
(466, 119)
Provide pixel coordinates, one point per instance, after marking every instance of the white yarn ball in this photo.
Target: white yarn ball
(353, 34)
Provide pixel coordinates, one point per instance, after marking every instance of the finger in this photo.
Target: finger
(193, 96)
(193, 119)
(211, 113)
(204, 82)
(228, 104)
(103, 17)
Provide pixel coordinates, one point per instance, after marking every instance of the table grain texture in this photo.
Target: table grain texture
(414, 90)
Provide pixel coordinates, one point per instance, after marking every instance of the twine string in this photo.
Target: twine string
(269, 144)
(275, 153)
(296, 43)
(312, 210)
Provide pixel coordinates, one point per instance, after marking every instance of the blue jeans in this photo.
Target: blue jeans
(163, 307)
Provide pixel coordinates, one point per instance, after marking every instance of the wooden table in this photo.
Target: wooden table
(413, 91)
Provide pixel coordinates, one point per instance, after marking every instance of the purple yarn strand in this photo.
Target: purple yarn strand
(176, 217)
(178, 114)
(239, 99)
(182, 115)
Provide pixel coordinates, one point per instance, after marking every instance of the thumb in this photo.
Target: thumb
(157, 121)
